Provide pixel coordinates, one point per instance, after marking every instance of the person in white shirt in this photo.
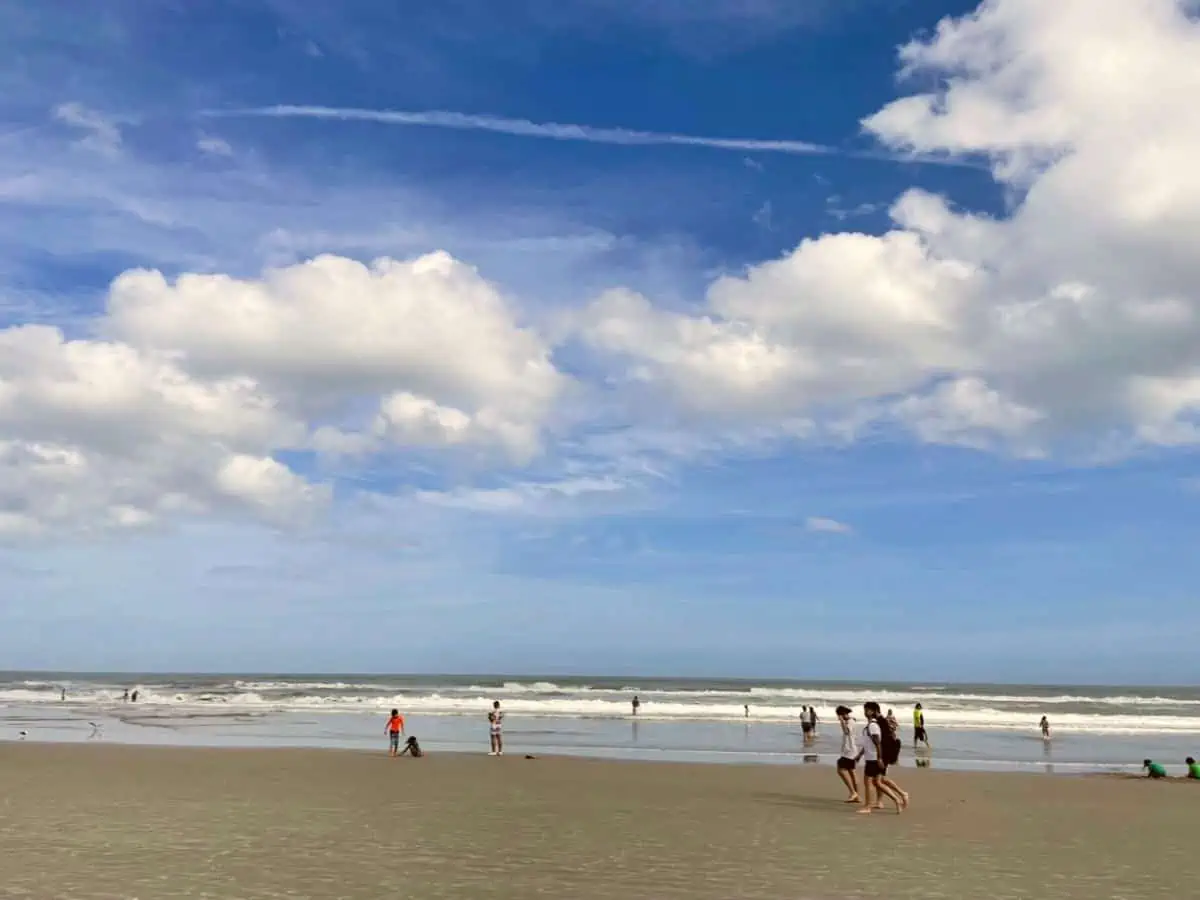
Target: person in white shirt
(806, 724)
(496, 729)
(848, 759)
(874, 763)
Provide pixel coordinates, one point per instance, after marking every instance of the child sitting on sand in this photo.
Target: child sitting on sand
(412, 748)
(1193, 768)
(1153, 769)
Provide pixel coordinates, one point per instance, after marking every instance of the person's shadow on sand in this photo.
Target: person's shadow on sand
(800, 801)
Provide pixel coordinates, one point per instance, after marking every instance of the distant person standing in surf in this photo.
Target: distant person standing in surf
(1045, 726)
(920, 735)
(495, 725)
(636, 704)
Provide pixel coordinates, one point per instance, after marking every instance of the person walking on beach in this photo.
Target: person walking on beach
(636, 704)
(395, 728)
(893, 722)
(920, 735)
(495, 724)
(873, 753)
(813, 720)
(890, 744)
(848, 760)
(1045, 726)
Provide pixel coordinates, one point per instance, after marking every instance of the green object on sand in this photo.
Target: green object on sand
(1193, 770)
(1156, 770)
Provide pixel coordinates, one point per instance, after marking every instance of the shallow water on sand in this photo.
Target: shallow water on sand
(688, 741)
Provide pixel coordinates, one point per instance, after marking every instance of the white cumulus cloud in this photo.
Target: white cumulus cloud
(435, 344)
(200, 384)
(1072, 319)
(1068, 321)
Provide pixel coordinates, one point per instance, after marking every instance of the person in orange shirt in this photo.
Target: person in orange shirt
(395, 728)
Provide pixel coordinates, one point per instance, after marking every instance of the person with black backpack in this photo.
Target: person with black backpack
(879, 749)
(891, 746)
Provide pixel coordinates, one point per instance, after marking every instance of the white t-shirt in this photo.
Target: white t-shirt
(849, 747)
(871, 732)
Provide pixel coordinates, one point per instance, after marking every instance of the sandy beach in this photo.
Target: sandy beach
(100, 821)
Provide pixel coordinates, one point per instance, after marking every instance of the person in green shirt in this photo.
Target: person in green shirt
(1193, 768)
(1153, 769)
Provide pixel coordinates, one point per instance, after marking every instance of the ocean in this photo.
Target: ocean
(972, 726)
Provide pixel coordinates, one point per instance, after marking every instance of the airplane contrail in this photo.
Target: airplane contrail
(557, 131)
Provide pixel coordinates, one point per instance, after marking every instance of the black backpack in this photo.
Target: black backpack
(889, 744)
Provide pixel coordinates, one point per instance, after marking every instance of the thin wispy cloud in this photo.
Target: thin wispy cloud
(557, 131)
(103, 135)
(821, 525)
(554, 131)
(214, 146)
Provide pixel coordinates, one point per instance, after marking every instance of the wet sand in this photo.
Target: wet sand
(97, 821)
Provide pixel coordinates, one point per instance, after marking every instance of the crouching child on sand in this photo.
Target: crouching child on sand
(412, 748)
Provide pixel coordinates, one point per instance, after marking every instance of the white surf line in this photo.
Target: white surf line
(557, 131)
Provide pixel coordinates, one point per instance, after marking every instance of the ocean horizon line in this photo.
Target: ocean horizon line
(759, 680)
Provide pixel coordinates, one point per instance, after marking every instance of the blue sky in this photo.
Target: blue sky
(773, 338)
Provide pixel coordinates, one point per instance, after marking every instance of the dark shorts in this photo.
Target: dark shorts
(846, 764)
(805, 727)
(919, 735)
(874, 769)
(394, 737)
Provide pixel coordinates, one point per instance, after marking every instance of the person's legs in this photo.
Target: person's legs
(883, 789)
(898, 793)
(499, 744)
(869, 782)
(846, 773)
